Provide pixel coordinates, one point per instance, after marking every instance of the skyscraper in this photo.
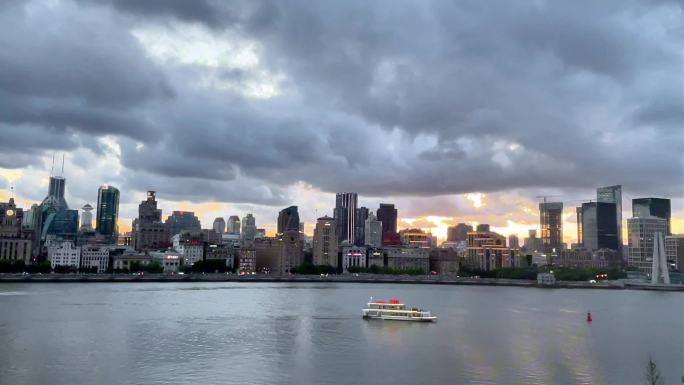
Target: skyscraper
(360, 229)
(641, 233)
(325, 242)
(55, 218)
(652, 207)
(219, 225)
(288, 220)
(149, 232)
(599, 227)
(458, 233)
(513, 242)
(372, 231)
(345, 216)
(233, 225)
(551, 223)
(107, 212)
(180, 221)
(248, 228)
(387, 214)
(613, 194)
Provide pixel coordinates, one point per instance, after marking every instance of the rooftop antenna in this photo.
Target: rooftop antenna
(52, 169)
(62, 165)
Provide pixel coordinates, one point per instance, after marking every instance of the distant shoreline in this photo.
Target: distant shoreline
(363, 278)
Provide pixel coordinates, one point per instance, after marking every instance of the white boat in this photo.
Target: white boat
(394, 310)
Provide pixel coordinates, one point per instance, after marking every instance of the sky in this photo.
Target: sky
(455, 111)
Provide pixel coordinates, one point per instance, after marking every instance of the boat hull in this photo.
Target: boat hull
(397, 318)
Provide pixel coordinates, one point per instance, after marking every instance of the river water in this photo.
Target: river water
(308, 333)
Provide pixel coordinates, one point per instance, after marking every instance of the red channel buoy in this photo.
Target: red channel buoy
(589, 317)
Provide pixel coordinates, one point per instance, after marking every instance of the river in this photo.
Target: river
(309, 333)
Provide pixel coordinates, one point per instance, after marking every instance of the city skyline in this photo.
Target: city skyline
(437, 225)
(226, 109)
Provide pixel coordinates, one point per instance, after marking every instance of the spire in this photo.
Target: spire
(62, 174)
(52, 169)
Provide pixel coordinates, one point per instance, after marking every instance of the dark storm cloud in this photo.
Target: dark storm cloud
(415, 98)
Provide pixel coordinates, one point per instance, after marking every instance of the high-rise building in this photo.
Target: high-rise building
(551, 223)
(674, 249)
(513, 241)
(640, 239)
(15, 243)
(345, 216)
(613, 194)
(487, 250)
(360, 229)
(87, 219)
(219, 225)
(387, 214)
(180, 221)
(532, 243)
(484, 227)
(248, 228)
(580, 239)
(599, 227)
(373, 231)
(107, 213)
(233, 225)
(288, 220)
(149, 232)
(54, 219)
(652, 207)
(325, 242)
(458, 233)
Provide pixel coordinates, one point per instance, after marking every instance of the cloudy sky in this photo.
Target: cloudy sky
(454, 111)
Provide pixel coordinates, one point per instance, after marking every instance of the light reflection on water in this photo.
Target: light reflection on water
(288, 333)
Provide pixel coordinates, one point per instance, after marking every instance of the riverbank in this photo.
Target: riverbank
(361, 278)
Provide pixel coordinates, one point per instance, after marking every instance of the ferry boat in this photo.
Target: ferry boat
(395, 311)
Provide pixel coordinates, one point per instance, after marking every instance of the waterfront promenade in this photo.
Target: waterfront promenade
(343, 278)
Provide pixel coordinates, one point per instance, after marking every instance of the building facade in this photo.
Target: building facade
(189, 246)
(107, 213)
(325, 242)
(362, 214)
(345, 216)
(353, 256)
(288, 220)
(653, 207)
(458, 233)
(599, 227)
(64, 253)
(95, 257)
(219, 225)
(487, 250)
(640, 237)
(387, 215)
(551, 224)
(247, 261)
(613, 194)
(180, 221)
(233, 225)
(674, 250)
(404, 258)
(149, 232)
(415, 238)
(249, 229)
(373, 231)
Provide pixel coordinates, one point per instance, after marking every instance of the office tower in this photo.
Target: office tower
(372, 231)
(288, 220)
(87, 218)
(325, 242)
(613, 194)
(149, 232)
(513, 241)
(107, 212)
(55, 220)
(580, 238)
(248, 228)
(482, 227)
(532, 243)
(551, 223)
(387, 214)
(233, 225)
(180, 221)
(219, 225)
(640, 240)
(345, 216)
(458, 233)
(360, 229)
(652, 207)
(599, 227)
(674, 249)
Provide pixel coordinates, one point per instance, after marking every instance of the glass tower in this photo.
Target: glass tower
(107, 212)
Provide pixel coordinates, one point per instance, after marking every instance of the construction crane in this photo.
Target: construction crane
(547, 196)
